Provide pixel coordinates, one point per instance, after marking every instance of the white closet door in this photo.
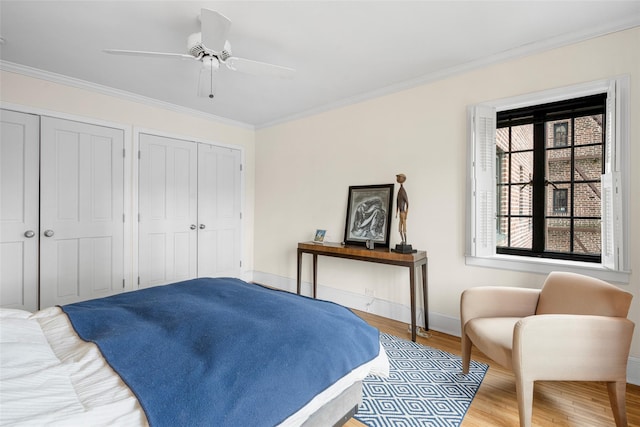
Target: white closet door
(82, 211)
(218, 211)
(167, 205)
(19, 171)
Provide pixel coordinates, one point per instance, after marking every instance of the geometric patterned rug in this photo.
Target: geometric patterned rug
(425, 387)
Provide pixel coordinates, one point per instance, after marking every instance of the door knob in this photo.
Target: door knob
(202, 226)
(193, 227)
(29, 234)
(48, 233)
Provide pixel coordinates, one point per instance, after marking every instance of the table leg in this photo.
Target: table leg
(315, 274)
(299, 270)
(412, 280)
(425, 296)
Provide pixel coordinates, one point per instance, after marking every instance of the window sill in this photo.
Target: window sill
(546, 266)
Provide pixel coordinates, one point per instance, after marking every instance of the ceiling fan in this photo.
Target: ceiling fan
(211, 47)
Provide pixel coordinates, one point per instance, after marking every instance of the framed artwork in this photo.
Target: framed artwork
(369, 214)
(319, 236)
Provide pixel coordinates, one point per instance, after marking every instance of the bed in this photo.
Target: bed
(200, 352)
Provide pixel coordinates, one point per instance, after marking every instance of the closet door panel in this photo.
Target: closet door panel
(154, 254)
(82, 208)
(167, 206)
(19, 210)
(218, 211)
(65, 253)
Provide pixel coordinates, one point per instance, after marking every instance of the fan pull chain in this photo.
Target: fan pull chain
(211, 91)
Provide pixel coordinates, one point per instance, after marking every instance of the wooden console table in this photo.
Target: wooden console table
(380, 256)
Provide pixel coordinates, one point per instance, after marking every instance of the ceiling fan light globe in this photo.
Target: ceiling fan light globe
(210, 62)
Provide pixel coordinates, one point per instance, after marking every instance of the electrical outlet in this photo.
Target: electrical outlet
(369, 293)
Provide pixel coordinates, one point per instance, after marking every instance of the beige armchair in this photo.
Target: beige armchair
(574, 329)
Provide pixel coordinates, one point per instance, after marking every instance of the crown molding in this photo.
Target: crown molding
(12, 67)
(630, 22)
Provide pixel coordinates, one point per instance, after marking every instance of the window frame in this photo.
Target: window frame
(481, 197)
(536, 118)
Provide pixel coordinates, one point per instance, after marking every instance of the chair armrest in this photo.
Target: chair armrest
(496, 301)
(572, 347)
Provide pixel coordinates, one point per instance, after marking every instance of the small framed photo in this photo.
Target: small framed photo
(319, 236)
(369, 215)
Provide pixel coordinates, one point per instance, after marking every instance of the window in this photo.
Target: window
(548, 181)
(549, 162)
(560, 131)
(560, 201)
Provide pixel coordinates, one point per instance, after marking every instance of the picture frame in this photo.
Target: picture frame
(319, 236)
(369, 215)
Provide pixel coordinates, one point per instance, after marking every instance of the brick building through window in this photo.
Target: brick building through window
(549, 162)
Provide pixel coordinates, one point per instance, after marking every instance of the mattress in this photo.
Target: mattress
(49, 375)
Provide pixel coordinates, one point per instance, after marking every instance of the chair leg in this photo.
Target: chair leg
(617, 391)
(466, 353)
(524, 392)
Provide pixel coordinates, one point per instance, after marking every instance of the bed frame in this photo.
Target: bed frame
(339, 410)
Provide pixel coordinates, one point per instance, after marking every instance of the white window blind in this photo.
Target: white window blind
(612, 200)
(483, 141)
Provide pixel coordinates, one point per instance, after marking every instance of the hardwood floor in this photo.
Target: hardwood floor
(574, 404)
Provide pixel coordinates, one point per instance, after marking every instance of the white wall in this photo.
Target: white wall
(304, 169)
(42, 96)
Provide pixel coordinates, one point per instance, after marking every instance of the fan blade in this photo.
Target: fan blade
(259, 68)
(207, 80)
(149, 54)
(214, 29)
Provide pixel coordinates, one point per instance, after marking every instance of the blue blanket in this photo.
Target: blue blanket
(222, 352)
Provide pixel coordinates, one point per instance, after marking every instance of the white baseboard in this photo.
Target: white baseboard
(392, 310)
(633, 370)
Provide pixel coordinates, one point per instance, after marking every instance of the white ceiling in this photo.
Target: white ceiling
(343, 50)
